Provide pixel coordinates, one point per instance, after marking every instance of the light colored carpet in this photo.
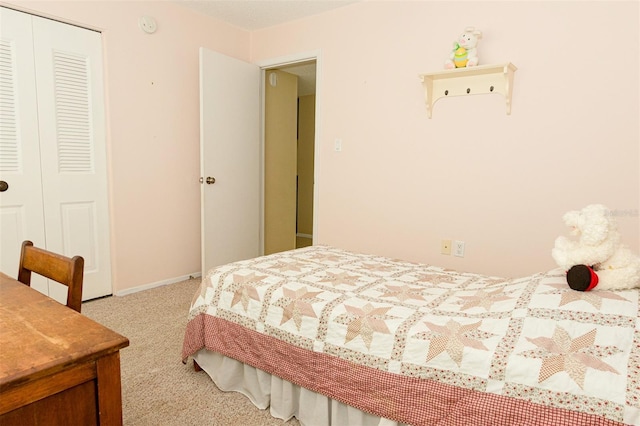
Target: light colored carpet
(157, 389)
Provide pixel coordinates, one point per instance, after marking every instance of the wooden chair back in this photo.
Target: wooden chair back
(62, 269)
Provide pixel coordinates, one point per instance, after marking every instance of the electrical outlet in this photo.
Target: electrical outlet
(445, 247)
(458, 248)
(337, 145)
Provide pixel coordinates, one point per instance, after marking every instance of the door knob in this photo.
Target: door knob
(210, 180)
(3, 186)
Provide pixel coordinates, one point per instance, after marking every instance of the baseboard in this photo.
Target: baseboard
(157, 284)
(301, 235)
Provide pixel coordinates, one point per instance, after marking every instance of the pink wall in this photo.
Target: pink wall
(153, 117)
(402, 182)
(501, 183)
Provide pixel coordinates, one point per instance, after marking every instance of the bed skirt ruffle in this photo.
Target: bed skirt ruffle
(284, 399)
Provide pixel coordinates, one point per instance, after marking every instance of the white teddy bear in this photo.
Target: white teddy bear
(598, 248)
(464, 53)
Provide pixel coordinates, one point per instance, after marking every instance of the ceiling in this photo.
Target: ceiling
(253, 15)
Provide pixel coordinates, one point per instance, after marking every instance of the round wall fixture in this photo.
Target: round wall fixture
(148, 24)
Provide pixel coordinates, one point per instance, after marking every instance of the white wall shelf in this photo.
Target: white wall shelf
(481, 79)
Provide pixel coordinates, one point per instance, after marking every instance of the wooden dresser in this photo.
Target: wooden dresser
(57, 367)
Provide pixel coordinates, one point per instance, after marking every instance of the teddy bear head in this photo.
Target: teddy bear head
(593, 224)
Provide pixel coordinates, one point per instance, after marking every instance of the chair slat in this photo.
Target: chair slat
(62, 269)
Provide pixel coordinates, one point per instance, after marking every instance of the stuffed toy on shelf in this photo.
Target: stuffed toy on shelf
(597, 259)
(465, 52)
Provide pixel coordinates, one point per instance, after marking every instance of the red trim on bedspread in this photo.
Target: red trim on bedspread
(404, 399)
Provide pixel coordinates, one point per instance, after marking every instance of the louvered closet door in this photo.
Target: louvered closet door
(68, 63)
(21, 210)
(52, 147)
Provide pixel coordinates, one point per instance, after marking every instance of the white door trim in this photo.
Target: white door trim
(295, 58)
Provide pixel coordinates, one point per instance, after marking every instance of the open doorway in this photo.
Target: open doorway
(289, 156)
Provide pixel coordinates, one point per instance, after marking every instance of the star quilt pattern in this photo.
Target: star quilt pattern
(424, 345)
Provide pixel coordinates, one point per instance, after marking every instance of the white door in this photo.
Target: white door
(230, 154)
(70, 126)
(73, 145)
(21, 210)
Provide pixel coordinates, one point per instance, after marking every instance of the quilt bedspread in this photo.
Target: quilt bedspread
(423, 345)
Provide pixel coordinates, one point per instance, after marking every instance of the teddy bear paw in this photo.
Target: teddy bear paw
(562, 243)
(560, 256)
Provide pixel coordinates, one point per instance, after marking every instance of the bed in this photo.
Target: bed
(334, 337)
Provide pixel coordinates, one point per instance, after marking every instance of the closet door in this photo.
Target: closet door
(59, 148)
(21, 210)
(68, 63)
